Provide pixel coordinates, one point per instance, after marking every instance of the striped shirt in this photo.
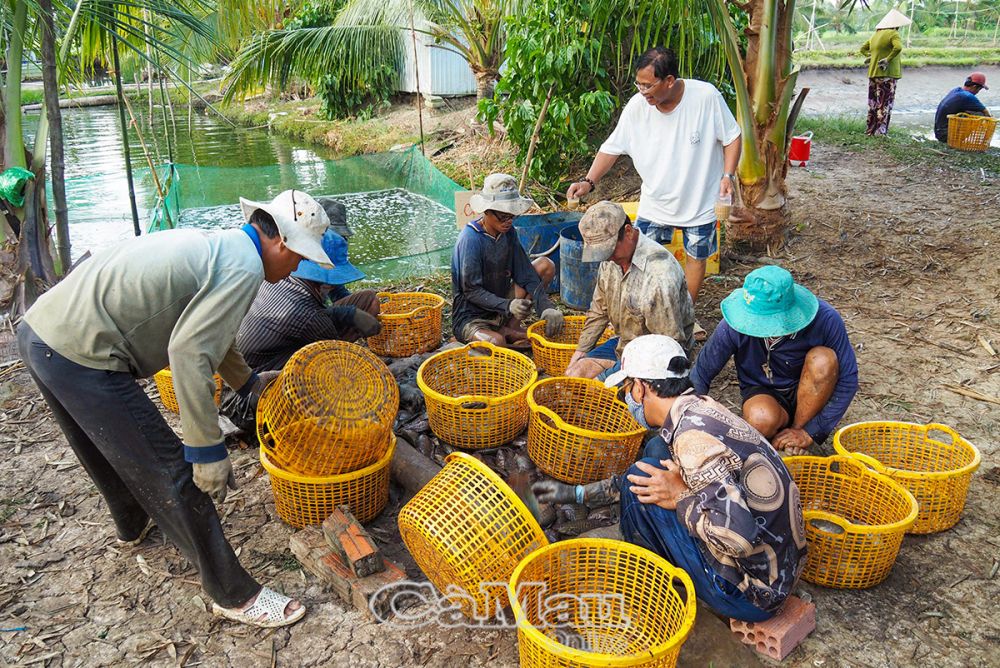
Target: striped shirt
(284, 317)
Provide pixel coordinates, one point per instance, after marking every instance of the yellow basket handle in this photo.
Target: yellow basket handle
(552, 415)
(870, 462)
(853, 464)
(485, 345)
(935, 426)
(810, 515)
(474, 399)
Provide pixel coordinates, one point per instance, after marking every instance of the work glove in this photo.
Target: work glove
(520, 308)
(366, 323)
(883, 64)
(550, 491)
(553, 321)
(264, 378)
(214, 478)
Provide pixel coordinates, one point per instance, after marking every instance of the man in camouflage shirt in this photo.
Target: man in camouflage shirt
(723, 507)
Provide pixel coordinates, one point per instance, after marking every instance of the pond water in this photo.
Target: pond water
(219, 164)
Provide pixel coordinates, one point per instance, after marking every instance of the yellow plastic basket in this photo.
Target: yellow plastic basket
(932, 461)
(330, 412)
(411, 324)
(855, 520)
(476, 394)
(467, 531)
(165, 385)
(552, 355)
(624, 606)
(305, 500)
(968, 132)
(579, 432)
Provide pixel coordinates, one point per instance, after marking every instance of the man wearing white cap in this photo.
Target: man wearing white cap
(884, 69)
(718, 502)
(494, 284)
(176, 299)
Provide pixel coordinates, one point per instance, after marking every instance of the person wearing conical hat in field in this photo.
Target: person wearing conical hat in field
(884, 69)
(494, 283)
(794, 362)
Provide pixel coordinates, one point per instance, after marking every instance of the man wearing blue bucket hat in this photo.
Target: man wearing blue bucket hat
(794, 362)
(310, 305)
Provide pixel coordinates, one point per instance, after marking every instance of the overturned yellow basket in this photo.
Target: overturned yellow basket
(330, 412)
(467, 531)
(579, 432)
(931, 460)
(475, 395)
(855, 520)
(411, 323)
(306, 500)
(600, 602)
(165, 385)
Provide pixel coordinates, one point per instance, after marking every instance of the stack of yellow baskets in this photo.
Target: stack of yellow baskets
(325, 430)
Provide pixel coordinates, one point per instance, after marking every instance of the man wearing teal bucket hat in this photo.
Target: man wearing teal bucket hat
(794, 361)
(310, 305)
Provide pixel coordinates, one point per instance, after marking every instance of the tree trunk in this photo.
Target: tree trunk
(125, 145)
(51, 81)
(485, 80)
(764, 82)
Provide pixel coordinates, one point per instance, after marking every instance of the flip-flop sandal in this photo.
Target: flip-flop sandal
(267, 612)
(141, 537)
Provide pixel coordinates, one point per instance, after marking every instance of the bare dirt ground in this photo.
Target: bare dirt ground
(907, 254)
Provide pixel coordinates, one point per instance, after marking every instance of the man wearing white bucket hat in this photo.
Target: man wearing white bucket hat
(884, 69)
(717, 501)
(494, 283)
(176, 299)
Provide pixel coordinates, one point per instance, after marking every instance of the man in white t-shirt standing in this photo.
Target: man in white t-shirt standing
(684, 142)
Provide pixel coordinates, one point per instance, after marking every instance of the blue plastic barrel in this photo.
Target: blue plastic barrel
(576, 277)
(540, 232)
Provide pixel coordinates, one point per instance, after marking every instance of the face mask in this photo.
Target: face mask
(637, 411)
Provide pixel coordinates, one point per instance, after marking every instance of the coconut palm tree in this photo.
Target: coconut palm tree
(760, 61)
(91, 28)
(368, 34)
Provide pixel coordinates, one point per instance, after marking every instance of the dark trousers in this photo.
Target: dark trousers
(659, 530)
(137, 463)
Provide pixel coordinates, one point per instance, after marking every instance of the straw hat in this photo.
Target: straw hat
(894, 19)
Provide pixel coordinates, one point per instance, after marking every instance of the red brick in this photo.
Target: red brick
(357, 549)
(363, 591)
(778, 636)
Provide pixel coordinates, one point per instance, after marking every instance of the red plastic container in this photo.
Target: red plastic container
(798, 151)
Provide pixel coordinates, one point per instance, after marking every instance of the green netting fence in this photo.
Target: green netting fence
(410, 230)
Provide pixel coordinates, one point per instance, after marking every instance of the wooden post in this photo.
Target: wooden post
(416, 74)
(50, 77)
(534, 138)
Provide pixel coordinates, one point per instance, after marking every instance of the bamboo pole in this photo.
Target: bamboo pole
(534, 138)
(416, 73)
(51, 82)
(124, 129)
